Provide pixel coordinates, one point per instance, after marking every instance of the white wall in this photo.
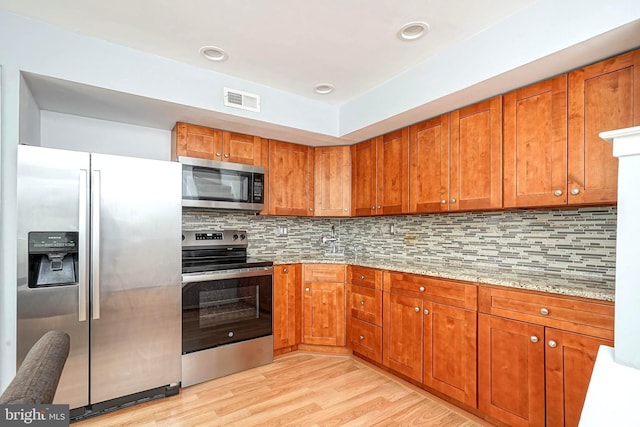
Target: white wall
(100, 136)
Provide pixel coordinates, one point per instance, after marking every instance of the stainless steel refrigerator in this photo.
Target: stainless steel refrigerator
(99, 257)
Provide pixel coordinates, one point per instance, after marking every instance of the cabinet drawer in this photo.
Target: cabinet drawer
(364, 276)
(366, 304)
(366, 339)
(329, 273)
(444, 291)
(590, 317)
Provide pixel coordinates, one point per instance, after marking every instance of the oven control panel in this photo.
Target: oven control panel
(214, 238)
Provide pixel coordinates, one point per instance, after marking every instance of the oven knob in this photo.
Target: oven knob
(230, 334)
(235, 237)
(243, 236)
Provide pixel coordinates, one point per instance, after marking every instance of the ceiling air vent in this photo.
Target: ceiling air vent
(238, 99)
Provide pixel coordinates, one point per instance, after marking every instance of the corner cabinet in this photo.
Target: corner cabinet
(213, 144)
(332, 181)
(429, 333)
(323, 305)
(287, 310)
(290, 179)
(380, 175)
(536, 353)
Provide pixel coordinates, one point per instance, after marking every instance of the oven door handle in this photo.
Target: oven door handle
(195, 278)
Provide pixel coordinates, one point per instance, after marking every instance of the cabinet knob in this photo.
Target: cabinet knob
(552, 344)
(361, 337)
(379, 207)
(361, 302)
(534, 338)
(443, 202)
(421, 288)
(285, 270)
(426, 311)
(452, 200)
(373, 207)
(362, 277)
(346, 209)
(416, 309)
(218, 154)
(575, 191)
(307, 289)
(226, 155)
(544, 311)
(310, 209)
(558, 193)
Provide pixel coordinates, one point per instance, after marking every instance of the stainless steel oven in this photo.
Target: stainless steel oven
(227, 303)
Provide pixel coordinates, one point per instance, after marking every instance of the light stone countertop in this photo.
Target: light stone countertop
(579, 285)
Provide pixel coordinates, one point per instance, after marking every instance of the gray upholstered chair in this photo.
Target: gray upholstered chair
(37, 378)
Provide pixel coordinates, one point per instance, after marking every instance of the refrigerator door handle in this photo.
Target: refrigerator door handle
(95, 244)
(82, 243)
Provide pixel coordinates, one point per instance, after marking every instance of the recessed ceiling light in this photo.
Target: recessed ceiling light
(413, 30)
(213, 53)
(324, 88)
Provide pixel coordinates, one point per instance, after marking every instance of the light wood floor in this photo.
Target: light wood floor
(299, 389)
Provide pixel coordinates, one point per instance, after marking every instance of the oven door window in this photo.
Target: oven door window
(216, 184)
(225, 311)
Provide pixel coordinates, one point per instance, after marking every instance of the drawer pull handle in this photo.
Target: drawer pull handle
(362, 277)
(534, 338)
(426, 311)
(544, 311)
(421, 288)
(416, 309)
(361, 337)
(552, 344)
(361, 302)
(307, 289)
(285, 270)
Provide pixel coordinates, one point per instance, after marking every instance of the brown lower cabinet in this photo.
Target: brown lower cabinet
(534, 364)
(429, 333)
(287, 281)
(323, 305)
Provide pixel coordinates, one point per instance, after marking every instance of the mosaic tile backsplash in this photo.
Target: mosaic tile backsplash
(569, 241)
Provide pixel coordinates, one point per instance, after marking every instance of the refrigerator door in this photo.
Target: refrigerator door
(53, 196)
(136, 275)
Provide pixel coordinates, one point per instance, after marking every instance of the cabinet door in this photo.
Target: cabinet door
(476, 156)
(363, 178)
(604, 96)
(286, 305)
(569, 362)
(402, 335)
(241, 148)
(290, 179)
(393, 173)
(429, 165)
(332, 181)
(324, 320)
(511, 371)
(535, 144)
(196, 141)
(450, 351)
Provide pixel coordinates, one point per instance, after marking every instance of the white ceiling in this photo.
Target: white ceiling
(290, 45)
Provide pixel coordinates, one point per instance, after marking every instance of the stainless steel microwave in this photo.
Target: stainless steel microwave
(222, 185)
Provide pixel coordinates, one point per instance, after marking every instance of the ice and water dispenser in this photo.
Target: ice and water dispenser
(53, 258)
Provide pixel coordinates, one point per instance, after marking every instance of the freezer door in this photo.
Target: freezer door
(136, 275)
(53, 196)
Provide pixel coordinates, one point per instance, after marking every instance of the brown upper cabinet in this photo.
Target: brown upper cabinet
(290, 179)
(429, 165)
(456, 160)
(475, 168)
(603, 96)
(380, 175)
(535, 144)
(332, 181)
(213, 144)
